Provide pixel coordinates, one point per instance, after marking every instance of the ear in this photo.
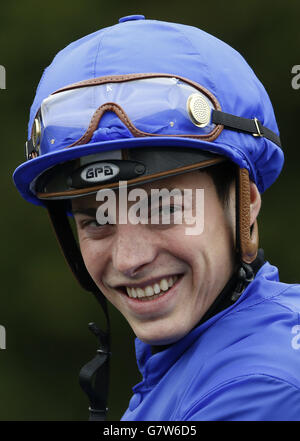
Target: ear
(248, 206)
(255, 202)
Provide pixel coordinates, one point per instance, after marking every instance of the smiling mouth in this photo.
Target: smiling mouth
(151, 292)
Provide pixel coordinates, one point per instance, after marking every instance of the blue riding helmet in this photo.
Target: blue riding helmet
(150, 69)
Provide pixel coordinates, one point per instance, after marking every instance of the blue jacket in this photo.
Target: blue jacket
(241, 364)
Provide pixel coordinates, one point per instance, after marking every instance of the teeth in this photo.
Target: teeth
(140, 292)
(149, 291)
(156, 288)
(152, 290)
(164, 285)
(170, 282)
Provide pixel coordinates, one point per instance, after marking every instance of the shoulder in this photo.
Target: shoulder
(252, 397)
(249, 357)
(266, 287)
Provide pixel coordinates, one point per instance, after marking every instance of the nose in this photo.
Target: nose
(133, 248)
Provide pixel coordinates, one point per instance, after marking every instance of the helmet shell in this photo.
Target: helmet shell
(150, 46)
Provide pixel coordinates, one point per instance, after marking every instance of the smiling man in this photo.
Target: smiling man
(161, 156)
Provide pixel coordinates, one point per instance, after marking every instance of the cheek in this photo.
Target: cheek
(189, 250)
(93, 255)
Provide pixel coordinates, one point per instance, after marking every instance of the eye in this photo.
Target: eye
(93, 223)
(166, 214)
(89, 227)
(166, 209)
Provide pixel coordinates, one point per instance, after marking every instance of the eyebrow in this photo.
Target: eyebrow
(87, 211)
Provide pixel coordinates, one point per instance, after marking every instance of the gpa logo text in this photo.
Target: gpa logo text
(2, 77)
(99, 172)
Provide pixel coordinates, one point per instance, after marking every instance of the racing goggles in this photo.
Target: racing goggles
(146, 104)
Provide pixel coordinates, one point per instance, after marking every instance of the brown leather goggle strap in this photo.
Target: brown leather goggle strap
(247, 238)
(120, 112)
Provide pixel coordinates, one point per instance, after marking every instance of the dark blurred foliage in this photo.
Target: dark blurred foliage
(44, 311)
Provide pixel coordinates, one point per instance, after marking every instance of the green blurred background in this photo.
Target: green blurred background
(43, 310)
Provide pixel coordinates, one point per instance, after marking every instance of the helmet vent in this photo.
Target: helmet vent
(198, 110)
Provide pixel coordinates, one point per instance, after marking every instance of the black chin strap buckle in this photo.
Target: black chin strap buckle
(101, 336)
(94, 376)
(245, 275)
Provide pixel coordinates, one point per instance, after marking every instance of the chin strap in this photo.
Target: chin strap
(246, 235)
(94, 376)
(245, 275)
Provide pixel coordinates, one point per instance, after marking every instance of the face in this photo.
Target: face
(160, 278)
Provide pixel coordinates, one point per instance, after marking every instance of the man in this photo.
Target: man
(147, 108)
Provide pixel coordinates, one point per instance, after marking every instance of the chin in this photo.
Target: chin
(160, 338)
